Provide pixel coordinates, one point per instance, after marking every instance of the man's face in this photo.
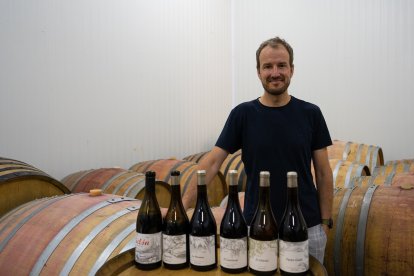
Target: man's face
(275, 71)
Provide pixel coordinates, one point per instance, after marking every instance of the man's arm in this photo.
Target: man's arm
(211, 163)
(324, 183)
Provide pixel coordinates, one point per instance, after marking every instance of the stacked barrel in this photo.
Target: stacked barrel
(373, 214)
(49, 225)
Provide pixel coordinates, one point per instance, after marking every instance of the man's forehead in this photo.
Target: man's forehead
(273, 53)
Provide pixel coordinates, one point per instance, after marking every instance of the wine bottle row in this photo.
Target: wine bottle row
(177, 242)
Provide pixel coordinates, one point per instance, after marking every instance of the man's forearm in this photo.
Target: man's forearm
(325, 193)
(190, 195)
(211, 163)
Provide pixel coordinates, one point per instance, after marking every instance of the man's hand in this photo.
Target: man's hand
(326, 229)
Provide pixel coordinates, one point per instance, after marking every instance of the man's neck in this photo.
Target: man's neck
(275, 100)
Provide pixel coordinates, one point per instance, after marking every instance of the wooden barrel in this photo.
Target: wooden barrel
(90, 179)
(5, 161)
(403, 179)
(395, 166)
(72, 234)
(196, 157)
(393, 179)
(343, 172)
(234, 162)
(369, 155)
(395, 172)
(223, 203)
(373, 232)
(70, 180)
(124, 264)
(21, 183)
(216, 190)
(116, 181)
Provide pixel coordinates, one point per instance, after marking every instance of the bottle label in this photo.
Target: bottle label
(148, 248)
(263, 255)
(174, 249)
(202, 250)
(233, 252)
(294, 256)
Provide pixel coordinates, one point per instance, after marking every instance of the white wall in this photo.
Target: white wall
(98, 83)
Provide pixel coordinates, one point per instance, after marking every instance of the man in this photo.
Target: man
(279, 133)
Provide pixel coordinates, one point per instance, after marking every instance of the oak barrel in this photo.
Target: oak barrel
(373, 232)
(232, 162)
(343, 172)
(196, 157)
(395, 166)
(393, 179)
(72, 234)
(116, 181)
(369, 155)
(124, 265)
(21, 183)
(216, 190)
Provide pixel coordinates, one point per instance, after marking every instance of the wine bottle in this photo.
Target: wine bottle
(263, 236)
(293, 234)
(149, 227)
(233, 232)
(203, 234)
(176, 229)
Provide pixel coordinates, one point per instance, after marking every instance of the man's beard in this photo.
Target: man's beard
(276, 91)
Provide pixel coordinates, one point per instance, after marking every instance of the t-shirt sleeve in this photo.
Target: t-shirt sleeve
(321, 136)
(230, 137)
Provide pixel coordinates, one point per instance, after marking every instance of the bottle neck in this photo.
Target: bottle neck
(175, 194)
(264, 196)
(233, 194)
(201, 193)
(150, 187)
(292, 195)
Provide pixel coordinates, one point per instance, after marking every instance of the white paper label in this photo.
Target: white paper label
(174, 249)
(233, 252)
(263, 255)
(148, 248)
(294, 256)
(202, 250)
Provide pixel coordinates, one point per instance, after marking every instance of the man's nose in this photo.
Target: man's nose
(275, 71)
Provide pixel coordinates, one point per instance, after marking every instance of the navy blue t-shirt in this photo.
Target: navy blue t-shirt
(278, 140)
